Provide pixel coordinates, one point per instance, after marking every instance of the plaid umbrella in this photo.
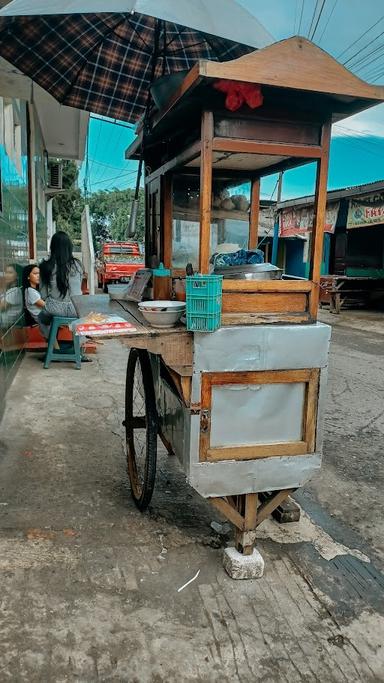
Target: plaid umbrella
(105, 63)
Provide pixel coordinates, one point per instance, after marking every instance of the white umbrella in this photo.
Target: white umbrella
(224, 18)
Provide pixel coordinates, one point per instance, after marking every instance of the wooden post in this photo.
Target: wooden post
(247, 507)
(318, 221)
(275, 243)
(254, 214)
(167, 221)
(31, 184)
(205, 190)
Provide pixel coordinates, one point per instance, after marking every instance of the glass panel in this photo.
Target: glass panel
(230, 212)
(230, 217)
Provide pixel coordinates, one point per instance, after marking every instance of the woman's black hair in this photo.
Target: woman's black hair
(61, 260)
(27, 270)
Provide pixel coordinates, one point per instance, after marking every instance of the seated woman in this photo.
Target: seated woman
(60, 278)
(34, 304)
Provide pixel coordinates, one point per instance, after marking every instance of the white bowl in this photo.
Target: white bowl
(162, 313)
(161, 305)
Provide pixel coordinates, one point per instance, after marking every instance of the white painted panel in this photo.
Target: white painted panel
(262, 347)
(256, 414)
(230, 477)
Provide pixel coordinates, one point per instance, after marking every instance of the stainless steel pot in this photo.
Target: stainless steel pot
(257, 271)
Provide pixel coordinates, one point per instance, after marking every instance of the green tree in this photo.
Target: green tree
(109, 210)
(68, 207)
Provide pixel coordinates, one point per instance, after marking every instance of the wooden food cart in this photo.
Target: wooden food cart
(241, 407)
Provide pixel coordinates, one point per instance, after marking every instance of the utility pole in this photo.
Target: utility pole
(275, 242)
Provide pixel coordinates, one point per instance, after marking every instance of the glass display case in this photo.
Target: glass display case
(229, 217)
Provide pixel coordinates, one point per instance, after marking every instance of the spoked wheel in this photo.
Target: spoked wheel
(141, 426)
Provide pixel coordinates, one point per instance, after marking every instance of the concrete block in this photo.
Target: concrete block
(240, 566)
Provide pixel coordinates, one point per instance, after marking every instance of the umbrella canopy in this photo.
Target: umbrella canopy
(106, 62)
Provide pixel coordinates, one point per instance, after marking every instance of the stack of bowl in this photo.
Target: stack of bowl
(162, 313)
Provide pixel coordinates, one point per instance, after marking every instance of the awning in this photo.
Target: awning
(300, 221)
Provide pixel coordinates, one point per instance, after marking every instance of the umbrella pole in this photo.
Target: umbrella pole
(135, 203)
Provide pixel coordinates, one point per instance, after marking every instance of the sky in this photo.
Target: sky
(350, 30)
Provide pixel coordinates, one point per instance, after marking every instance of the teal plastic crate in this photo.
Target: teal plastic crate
(204, 294)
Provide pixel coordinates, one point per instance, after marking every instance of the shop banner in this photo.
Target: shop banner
(300, 221)
(366, 211)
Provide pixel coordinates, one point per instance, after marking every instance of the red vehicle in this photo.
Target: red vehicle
(118, 261)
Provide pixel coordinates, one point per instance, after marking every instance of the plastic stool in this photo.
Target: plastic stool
(51, 354)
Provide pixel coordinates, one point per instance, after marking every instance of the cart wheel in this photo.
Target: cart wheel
(141, 426)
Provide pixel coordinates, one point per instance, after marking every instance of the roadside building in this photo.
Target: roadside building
(353, 255)
(34, 132)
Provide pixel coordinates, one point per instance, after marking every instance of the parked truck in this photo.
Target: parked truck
(118, 262)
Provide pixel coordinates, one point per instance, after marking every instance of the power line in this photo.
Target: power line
(363, 131)
(301, 16)
(350, 59)
(97, 144)
(359, 145)
(363, 139)
(295, 17)
(328, 20)
(101, 163)
(364, 61)
(359, 38)
(373, 70)
(318, 19)
(121, 175)
(313, 17)
(113, 123)
(377, 77)
(376, 73)
(112, 151)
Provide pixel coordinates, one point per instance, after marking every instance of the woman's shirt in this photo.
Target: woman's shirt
(31, 296)
(74, 284)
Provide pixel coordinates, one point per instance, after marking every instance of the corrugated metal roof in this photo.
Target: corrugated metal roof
(334, 195)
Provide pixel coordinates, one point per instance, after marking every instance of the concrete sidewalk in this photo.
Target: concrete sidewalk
(89, 585)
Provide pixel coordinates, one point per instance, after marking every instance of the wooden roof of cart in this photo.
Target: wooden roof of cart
(295, 65)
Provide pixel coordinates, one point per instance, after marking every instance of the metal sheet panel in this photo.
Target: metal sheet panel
(263, 347)
(229, 478)
(264, 413)
(175, 423)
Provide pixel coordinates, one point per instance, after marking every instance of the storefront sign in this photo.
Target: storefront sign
(366, 211)
(300, 221)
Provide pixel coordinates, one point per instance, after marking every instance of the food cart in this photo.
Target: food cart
(241, 407)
